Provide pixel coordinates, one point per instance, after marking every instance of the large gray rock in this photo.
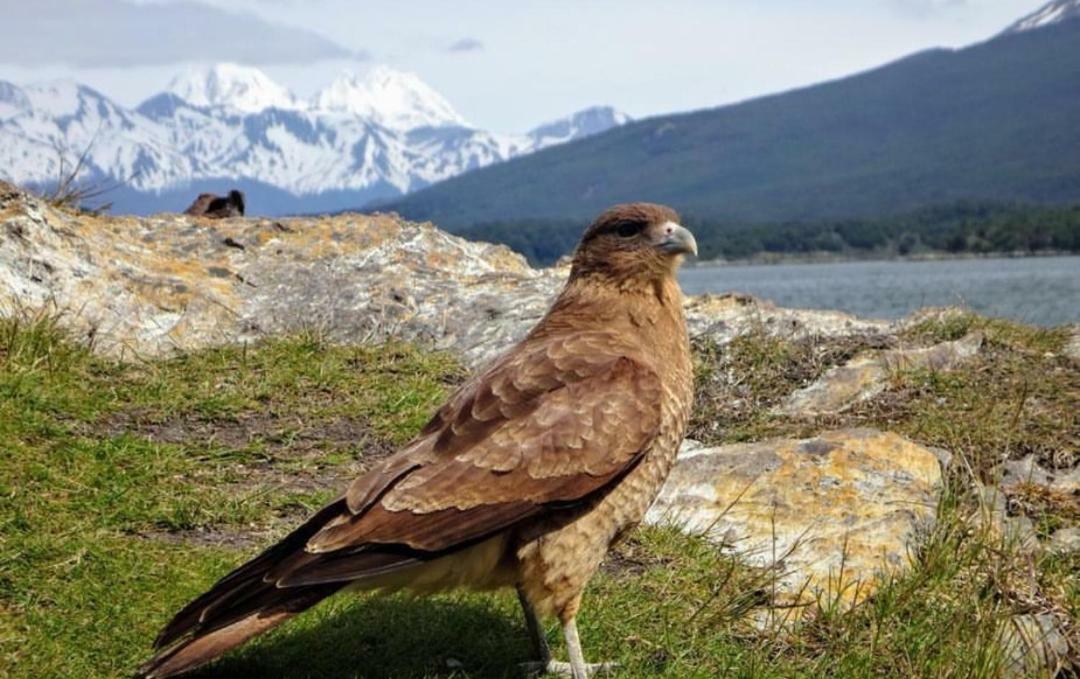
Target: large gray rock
(153, 285)
(826, 514)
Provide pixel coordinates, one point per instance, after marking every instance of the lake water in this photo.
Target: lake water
(1038, 290)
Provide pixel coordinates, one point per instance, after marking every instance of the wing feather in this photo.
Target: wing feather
(548, 425)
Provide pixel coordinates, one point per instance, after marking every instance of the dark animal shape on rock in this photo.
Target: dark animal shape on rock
(217, 207)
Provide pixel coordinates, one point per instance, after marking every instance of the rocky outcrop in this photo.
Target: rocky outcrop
(148, 286)
(826, 515)
(724, 317)
(865, 376)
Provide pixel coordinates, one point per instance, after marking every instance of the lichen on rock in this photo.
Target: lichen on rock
(827, 515)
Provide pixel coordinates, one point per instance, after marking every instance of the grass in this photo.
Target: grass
(126, 489)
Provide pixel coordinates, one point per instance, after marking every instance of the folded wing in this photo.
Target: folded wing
(552, 424)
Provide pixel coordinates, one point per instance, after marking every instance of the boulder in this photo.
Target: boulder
(866, 375)
(170, 282)
(826, 514)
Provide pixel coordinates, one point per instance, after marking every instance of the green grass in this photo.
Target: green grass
(126, 489)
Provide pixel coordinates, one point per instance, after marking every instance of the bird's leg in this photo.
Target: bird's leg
(579, 669)
(536, 632)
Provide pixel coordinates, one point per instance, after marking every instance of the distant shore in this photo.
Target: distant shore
(837, 258)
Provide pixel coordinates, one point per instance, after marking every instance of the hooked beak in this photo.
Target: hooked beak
(677, 240)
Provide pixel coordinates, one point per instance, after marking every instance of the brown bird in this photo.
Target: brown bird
(217, 207)
(523, 478)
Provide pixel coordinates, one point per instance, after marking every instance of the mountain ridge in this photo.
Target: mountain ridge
(1053, 12)
(992, 120)
(356, 140)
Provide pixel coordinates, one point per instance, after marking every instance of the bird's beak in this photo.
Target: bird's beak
(677, 240)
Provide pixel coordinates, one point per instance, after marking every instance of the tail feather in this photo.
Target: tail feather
(254, 598)
(194, 614)
(207, 645)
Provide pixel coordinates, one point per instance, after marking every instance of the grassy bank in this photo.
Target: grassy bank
(126, 489)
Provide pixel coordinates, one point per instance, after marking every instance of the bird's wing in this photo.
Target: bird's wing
(550, 424)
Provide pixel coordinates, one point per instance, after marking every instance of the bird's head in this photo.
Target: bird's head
(633, 242)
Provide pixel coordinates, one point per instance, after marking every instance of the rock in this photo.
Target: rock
(993, 516)
(1034, 644)
(860, 379)
(945, 457)
(722, 318)
(828, 513)
(993, 503)
(1020, 531)
(149, 286)
(865, 376)
(1072, 347)
(153, 285)
(1065, 541)
(1028, 471)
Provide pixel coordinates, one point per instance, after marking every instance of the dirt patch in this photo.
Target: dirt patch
(240, 540)
(629, 557)
(256, 454)
(276, 434)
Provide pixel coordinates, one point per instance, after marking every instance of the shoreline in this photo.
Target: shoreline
(830, 258)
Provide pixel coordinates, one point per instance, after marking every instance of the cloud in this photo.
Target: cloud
(466, 45)
(925, 8)
(111, 33)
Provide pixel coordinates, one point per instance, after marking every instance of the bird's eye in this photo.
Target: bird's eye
(628, 229)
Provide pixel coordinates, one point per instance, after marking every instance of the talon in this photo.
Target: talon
(564, 669)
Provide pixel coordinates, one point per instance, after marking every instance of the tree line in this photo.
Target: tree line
(964, 227)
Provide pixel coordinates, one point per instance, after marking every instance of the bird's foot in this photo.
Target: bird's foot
(564, 669)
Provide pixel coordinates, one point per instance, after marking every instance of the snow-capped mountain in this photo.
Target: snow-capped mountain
(357, 140)
(1052, 12)
(227, 85)
(46, 125)
(393, 99)
(581, 124)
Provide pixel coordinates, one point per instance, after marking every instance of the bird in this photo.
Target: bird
(217, 207)
(522, 479)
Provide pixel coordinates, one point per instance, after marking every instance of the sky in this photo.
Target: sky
(505, 66)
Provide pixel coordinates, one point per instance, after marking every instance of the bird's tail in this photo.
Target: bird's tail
(246, 602)
(208, 643)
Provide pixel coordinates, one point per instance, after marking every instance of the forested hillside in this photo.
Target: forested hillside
(996, 121)
(957, 228)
